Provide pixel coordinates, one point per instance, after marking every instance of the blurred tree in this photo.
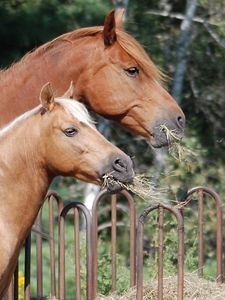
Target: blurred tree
(26, 24)
(183, 42)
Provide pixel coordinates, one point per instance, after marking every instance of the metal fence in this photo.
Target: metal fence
(136, 237)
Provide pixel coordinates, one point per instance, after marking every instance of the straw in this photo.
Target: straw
(142, 186)
(194, 288)
(176, 149)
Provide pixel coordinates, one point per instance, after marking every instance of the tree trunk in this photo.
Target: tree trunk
(182, 49)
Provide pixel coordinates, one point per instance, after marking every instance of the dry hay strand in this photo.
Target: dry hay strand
(142, 186)
(194, 289)
(176, 150)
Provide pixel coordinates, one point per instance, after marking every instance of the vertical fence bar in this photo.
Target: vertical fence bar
(219, 240)
(77, 254)
(39, 255)
(219, 224)
(95, 243)
(160, 253)
(16, 283)
(27, 268)
(140, 238)
(113, 240)
(89, 264)
(132, 216)
(180, 250)
(200, 233)
(52, 245)
(61, 258)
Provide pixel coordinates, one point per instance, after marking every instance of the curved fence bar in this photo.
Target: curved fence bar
(132, 216)
(92, 242)
(39, 263)
(51, 197)
(81, 207)
(201, 190)
(180, 263)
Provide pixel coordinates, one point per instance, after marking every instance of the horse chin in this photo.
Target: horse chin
(114, 188)
(157, 143)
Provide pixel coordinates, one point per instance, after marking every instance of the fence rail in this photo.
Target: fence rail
(91, 220)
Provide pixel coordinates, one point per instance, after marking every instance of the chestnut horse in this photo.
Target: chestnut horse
(55, 138)
(113, 75)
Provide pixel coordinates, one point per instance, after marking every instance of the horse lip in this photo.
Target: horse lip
(158, 138)
(115, 187)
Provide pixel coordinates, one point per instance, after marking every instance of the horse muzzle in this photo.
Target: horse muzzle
(120, 169)
(160, 137)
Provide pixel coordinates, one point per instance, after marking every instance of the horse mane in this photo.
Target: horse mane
(19, 119)
(71, 106)
(125, 40)
(76, 109)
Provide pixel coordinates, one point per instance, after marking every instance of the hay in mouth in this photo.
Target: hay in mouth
(142, 186)
(176, 150)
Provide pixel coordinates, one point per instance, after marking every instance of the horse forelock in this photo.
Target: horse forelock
(137, 52)
(76, 109)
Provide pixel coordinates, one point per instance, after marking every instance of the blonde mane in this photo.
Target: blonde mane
(71, 106)
(76, 109)
(125, 40)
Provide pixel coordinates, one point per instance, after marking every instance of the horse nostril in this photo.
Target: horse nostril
(119, 165)
(181, 122)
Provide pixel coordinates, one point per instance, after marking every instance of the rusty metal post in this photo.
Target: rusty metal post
(113, 240)
(51, 197)
(180, 263)
(200, 233)
(140, 238)
(132, 216)
(38, 225)
(51, 245)
(219, 224)
(160, 253)
(77, 253)
(27, 267)
(61, 258)
(87, 216)
(16, 282)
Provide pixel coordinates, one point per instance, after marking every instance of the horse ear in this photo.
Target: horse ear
(69, 94)
(120, 18)
(47, 97)
(109, 30)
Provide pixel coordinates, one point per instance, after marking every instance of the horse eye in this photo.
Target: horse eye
(132, 72)
(71, 131)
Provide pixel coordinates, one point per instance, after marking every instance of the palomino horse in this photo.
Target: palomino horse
(113, 75)
(55, 138)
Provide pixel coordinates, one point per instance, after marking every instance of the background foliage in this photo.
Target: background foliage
(26, 24)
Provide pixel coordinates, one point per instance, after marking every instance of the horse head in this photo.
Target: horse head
(72, 146)
(122, 83)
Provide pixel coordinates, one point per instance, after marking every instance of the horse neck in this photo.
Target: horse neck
(24, 183)
(20, 85)
(24, 180)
